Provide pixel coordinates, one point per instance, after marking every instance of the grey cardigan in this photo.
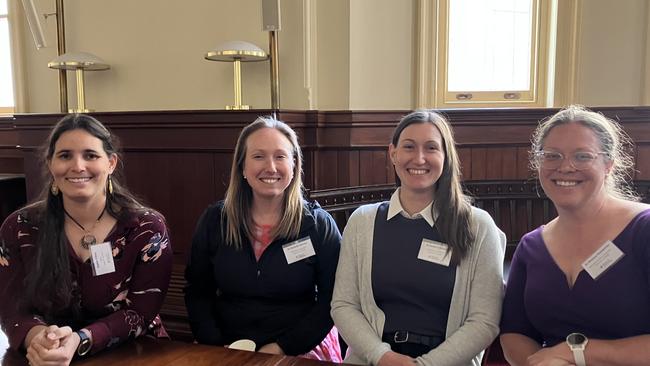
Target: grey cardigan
(475, 309)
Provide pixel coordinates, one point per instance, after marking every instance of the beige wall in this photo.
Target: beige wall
(381, 54)
(335, 54)
(612, 52)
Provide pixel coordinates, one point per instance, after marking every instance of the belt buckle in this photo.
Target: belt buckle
(401, 336)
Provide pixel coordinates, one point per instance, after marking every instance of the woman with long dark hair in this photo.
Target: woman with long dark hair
(88, 264)
(263, 260)
(420, 278)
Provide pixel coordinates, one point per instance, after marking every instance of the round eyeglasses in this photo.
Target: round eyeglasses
(579, 160)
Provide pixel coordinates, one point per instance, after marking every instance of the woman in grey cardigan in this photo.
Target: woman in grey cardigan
(420, 277)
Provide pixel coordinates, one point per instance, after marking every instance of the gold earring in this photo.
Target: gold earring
(110, 185)
(54, 189)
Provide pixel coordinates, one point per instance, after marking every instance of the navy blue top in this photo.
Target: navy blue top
(540, 304)
(230, 295)
(414, 294)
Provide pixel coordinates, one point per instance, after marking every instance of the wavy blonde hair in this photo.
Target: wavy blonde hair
(237, 219)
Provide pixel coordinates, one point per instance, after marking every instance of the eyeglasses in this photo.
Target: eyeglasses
(579, 160)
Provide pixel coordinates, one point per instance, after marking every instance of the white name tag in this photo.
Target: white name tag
(435, 252)
(101, 259)
(298, 250)
(605, 257)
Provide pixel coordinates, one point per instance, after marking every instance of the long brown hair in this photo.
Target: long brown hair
(48, 285)
(454, 222)
(239, 196)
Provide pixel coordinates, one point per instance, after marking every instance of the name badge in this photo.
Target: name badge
(605, 257)
(435, 252)
(101, 259)
(298, 250)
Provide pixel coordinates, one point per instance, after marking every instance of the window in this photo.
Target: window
(6, 80)
(492, 53)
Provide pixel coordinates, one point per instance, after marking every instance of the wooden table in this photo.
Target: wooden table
(149, 351)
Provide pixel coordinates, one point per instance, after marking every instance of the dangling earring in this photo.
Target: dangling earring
(54, 189)
(110, 185)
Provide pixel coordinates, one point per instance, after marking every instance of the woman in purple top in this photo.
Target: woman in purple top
(578, 292)
(87, 264)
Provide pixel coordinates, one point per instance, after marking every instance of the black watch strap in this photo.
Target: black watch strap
(85, 343)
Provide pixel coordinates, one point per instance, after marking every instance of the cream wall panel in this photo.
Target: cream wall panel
(612, 49)
(333, 63)
(381, 54)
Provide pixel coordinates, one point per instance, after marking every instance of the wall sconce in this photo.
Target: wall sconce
(237, 52)
(80, 62)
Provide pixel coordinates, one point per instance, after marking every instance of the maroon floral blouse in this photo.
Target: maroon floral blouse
(119, 305)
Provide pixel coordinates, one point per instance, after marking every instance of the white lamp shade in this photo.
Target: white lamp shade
(78, 60)
(236, 50)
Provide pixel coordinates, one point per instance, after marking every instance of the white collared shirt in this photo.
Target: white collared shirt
(395, 207)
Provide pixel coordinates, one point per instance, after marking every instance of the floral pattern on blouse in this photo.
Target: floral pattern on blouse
(118, 305)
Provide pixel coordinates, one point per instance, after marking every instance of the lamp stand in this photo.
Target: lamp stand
(81, 95)
(60, 42)
(237, 85)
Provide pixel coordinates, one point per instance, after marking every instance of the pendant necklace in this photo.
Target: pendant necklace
(88, 239)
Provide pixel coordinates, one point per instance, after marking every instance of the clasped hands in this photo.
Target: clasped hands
(558, 355)
(51, 345)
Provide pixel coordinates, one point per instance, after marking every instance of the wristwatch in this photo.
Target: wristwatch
(85, 342)
(577, 343)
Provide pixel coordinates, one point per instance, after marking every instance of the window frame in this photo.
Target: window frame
(5, 110)
(535, 96)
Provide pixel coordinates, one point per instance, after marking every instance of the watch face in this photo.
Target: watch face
(576, 338)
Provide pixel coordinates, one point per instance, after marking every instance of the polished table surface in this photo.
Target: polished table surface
(149, 351)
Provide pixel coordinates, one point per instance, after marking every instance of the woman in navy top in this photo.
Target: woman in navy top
(263, 260)
(578, 292)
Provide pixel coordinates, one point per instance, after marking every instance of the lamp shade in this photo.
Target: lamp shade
(236, 50)
(78, 60)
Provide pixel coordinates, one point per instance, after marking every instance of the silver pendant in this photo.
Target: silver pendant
(88, 240)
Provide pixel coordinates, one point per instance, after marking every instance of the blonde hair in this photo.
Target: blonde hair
(614, 142)
(239, 196)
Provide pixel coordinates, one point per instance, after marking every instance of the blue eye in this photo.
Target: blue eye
(584, 156)
(551, 156)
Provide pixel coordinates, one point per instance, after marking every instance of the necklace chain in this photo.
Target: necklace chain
(88, 239)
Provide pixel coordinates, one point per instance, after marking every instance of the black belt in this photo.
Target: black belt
(403, 336)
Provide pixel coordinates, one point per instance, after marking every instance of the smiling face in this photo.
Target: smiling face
(566, 186)
(80, 166)
(418, 157)
(269, 163)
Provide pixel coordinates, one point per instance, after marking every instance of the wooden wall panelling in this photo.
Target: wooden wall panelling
(479, 163)
(354, 169)
(523, 169)
(179, 185)
(11, 159)
(221, 165)
(642, 165)
(343, 168)
(508, 163)
(380, 165)
(327, 169)
(494, 162)
(465, 157)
